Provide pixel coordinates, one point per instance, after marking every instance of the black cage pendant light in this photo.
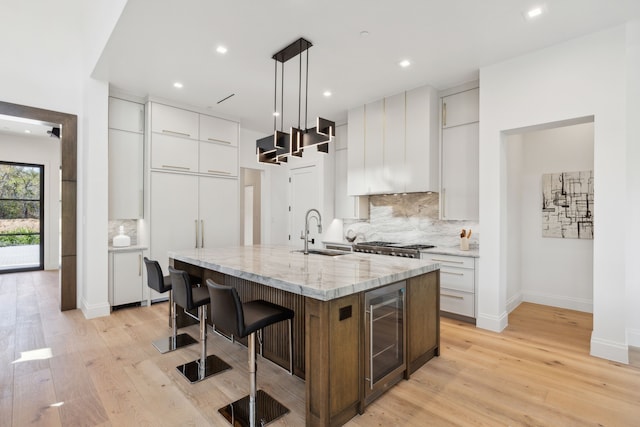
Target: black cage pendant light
(278, 147)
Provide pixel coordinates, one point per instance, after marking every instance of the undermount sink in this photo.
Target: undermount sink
(326, 252)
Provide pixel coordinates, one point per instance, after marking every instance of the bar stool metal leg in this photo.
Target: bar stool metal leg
(175, 341)
(205, 366)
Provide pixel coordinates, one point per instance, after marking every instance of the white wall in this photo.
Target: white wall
(514, 220)
(579, 78)
(41, 151)
(553, 271)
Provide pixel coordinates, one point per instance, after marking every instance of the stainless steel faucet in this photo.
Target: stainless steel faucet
(305, 234)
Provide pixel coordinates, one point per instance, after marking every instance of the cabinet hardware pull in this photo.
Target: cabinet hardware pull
(141, 120)
(444, 215)
(220, 172)
(449, 272)
(446, 260)
(139, 264)
(444, 114)
(371, 346)
(176, 167)
(218, 140)
(450, 296)
(196, 221)
(176, 133)
(202, 233)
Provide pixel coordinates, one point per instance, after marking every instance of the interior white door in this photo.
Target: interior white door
(174, 213)
(248, 215)
(305, 194)
(219, 208)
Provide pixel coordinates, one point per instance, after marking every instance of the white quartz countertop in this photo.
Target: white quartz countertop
(316, 276)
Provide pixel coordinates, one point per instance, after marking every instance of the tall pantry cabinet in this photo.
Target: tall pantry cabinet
(194, 189)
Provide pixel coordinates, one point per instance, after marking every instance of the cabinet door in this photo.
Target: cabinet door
(394, 143)
(214, 129)
(218, 159)
(461, 108)
(374, 149)
(126, 115)
(174, 214)
(125, 174)
(174, 121)
(355, 155)
(126, 277)
(459, 194)
(219, 208)
(173, 153)
(422, 154)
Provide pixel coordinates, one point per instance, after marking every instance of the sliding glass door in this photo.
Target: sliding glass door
(21, 217)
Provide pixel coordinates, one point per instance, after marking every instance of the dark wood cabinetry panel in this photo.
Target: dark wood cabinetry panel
(423, 320)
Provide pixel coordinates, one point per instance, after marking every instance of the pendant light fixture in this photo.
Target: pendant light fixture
(278, 147)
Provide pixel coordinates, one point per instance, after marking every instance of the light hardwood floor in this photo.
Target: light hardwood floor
(105, 372)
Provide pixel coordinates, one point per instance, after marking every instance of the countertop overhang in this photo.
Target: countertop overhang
(316, 276)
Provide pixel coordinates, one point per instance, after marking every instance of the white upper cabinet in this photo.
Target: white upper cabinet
(355, 157)
(393, 144)
(422, 165)
(174, 154)
(126, 115)
(346, 206)
(216, 159)
(174, 121)
(126, 159)
(214, 129)
(459, 194)
(460, 108)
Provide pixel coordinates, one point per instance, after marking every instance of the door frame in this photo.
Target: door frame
(69, 164)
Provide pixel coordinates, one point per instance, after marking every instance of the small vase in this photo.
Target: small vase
(464, 243)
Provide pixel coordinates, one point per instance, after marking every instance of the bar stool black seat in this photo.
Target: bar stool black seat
(245, 319)
(160, 283)
(189, 298)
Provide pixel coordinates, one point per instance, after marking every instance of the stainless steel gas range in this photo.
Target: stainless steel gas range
(389, 248)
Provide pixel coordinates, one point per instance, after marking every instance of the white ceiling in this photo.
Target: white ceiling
(158, 42)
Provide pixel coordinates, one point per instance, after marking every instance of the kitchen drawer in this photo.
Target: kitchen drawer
(450, 260)
(462, 303)
(214, 129)
(460, 279)
(218, 159)
(174, 121)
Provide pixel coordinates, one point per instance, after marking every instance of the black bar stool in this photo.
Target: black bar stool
(240, 319)
(162, 284)
(189, 298)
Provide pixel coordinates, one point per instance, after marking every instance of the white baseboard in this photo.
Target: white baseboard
(633, 337)
(492, 323)
(92, 311)
(578, 304)
(514, 302)
(610, 350)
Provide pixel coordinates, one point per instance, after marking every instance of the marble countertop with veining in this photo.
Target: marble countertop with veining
(316, 276)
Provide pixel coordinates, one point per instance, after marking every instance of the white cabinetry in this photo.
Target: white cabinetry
(174, 121)
(346, 206)
(457, 283)
(125, 277)
(215, 129)
(460, 138)
(393, 144)
(126, 159)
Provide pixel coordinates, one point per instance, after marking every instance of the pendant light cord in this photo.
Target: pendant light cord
(306, 93)
(275, 95)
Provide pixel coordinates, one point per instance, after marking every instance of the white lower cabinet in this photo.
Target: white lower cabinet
(457, 283)
(125, 277)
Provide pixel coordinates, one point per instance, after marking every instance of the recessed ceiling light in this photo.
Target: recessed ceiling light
(27, 131)
(404, 63)
(221, 49)
(326, 93)
(534, 12)
(177, 85)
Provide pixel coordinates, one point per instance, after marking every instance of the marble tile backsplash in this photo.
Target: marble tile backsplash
(130, 229)
(410, 218)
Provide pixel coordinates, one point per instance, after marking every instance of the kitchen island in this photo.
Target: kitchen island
(327, 294)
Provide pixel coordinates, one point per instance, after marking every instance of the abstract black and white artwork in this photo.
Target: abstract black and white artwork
(567, 205)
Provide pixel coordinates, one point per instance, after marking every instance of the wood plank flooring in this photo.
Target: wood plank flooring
(105, 372)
